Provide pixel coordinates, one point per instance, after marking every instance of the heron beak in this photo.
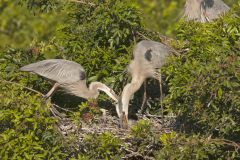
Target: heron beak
(109, 92)
(115, 97)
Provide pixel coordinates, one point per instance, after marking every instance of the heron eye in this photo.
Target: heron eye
(207, 3)
(82, 75)
(148, 55)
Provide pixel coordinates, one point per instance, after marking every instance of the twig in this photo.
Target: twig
(62, 108)
(54, 114)
(154, 116)
(228, 142)
(83, 2)
(145, 37)
(131, 154)
(30, 89)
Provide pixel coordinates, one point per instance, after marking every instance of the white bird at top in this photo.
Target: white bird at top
(204, 10)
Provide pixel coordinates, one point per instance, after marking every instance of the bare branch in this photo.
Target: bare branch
(145, 37)
(227, 142)
(30, 89)
(62, 108)
(83, 2)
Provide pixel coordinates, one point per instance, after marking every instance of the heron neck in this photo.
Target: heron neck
(93, 90)
(129, 90)
(192, 10)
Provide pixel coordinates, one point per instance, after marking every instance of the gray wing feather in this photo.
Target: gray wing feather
(217, 8)
(59, 70)
(158, 52)
(204, 10)
(146, 67)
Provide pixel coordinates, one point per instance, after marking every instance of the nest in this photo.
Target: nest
(109, 123)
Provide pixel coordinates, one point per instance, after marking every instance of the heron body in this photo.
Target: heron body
(204, 10)
(148, 58)
(70, 75)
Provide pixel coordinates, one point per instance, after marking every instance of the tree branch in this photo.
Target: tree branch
(30, 89)
(83, 2)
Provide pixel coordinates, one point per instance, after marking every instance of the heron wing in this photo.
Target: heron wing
(151, 51)
(216, 9)
(148, 55)
(59, 70)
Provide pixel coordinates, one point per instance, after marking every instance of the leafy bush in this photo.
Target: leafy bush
(27, 131)
(197, 147)
(103, 146)
(204, 83)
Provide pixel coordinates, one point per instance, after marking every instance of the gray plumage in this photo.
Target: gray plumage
(148, 58)
(59, 70)
(70, 76)
(204, 10)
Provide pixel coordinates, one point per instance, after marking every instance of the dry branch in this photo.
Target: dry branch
(83, 2)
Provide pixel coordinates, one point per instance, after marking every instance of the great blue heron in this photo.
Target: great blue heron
(204, 10)
(148, 58)
(70, 76)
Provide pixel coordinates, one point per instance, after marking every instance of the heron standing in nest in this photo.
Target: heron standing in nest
(148, 58)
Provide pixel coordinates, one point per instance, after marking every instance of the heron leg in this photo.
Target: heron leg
(206, 16)
(55, 86)
(144, 96)
(161, 96)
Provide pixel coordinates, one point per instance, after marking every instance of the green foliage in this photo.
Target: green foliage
(103, 146)
(106, 24)
(18, 27)
(165, 13)
(40, 5)
(143, 136)
(166, 137)
(204, 83)
(197, 147)
(27, 131)
(106, 31)
(142, 129)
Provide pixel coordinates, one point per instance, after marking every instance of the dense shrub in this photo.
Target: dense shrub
(204, 82)
(104, 146)
(27, 129)
(198, 147)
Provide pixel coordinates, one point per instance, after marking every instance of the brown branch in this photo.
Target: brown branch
(30, 89)
(145, 37)
(62, 108)
(227, 142)
(83, 2)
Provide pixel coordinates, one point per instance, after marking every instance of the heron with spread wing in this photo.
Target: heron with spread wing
(70, 76)
(204, 10)
(148, 58)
